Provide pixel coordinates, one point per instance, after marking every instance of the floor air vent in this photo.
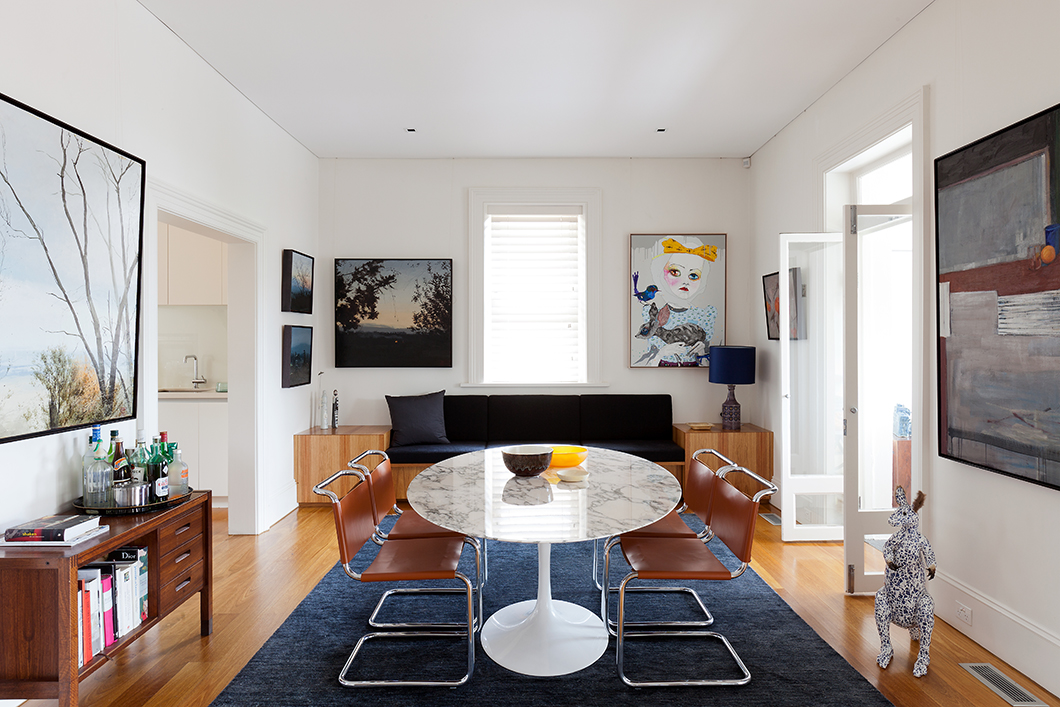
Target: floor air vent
(1001, 684)
(771, 517)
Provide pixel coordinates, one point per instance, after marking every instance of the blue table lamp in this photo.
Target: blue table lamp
(732, 366)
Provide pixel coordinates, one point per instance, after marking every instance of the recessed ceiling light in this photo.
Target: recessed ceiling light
(660, 130)
(410, 130)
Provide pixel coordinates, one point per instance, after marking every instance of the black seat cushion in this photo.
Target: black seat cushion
(431, 453)
(654, 450)
(533, 418)
(465, 418)
(632, 417)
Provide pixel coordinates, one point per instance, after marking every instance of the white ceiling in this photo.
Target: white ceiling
(533, 78)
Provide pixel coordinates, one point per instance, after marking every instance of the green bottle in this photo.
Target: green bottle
(158, 473)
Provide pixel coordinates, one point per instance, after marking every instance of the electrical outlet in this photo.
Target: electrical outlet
(964, 613)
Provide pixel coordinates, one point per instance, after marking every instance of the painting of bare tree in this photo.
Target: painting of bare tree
(71, 226)
(297, 295)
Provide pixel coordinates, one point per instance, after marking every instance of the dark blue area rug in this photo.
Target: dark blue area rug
(789, 663)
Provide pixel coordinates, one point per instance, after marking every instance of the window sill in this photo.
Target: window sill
(535, 385)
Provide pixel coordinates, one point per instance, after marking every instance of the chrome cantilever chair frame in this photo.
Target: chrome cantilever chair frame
(705, 535)
(482, 546)
(363, 501)
(379, 537)
(622, 634)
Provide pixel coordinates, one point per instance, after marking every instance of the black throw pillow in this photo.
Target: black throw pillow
(417, 419)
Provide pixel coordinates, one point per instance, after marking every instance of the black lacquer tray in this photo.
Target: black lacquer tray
(130, 510)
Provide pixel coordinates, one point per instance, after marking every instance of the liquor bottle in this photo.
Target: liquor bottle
(120, 464)
(158, 473)
(138, 458)
(98, 482)
(178, 475)
(335, 411)
(93, 449)
(164, 445)
(110, 449)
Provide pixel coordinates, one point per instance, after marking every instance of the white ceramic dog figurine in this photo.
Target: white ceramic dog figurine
(903, 600)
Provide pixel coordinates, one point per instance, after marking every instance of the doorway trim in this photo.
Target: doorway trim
(246, 449)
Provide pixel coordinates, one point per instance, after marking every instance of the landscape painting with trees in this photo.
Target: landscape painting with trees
(71, 219)
(393, 313)
(297, 278)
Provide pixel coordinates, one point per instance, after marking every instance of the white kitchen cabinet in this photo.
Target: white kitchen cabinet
(192, 269)
(199, 426)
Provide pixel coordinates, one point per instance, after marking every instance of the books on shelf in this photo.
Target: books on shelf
(91, 576)
(55, 528)
(139, 556)
(27, 542)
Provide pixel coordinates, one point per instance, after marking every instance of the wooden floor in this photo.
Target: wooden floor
(259, 580)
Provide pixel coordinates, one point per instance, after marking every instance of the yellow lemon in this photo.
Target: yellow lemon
(1048, 254)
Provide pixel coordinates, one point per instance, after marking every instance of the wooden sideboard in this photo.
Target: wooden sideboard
(320, 453)
(38, 595)
(750, 446)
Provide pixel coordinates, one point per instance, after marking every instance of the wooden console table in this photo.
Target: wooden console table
(320, 453)
(38, 595)
(750, 446)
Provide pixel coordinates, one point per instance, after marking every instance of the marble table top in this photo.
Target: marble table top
(476, 495)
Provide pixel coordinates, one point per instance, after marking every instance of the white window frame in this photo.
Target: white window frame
(480, 199)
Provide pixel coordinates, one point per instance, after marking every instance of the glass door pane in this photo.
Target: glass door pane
(810, 291)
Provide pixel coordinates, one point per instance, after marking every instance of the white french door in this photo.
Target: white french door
(811, 381)
(878, 381)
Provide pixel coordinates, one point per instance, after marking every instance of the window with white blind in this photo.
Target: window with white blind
(530, 313)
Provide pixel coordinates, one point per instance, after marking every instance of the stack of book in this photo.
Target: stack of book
(55, 530)
(112, 596)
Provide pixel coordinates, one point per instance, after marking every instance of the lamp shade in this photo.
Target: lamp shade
(732, 365)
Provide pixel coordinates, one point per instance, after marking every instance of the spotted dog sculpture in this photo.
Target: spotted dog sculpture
(903, 600)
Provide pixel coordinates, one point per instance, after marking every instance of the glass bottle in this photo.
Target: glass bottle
(138, 458)
(178, 475)
(93, 449)
(110, 448)
(120, 463)
(164, 445)
(98, 482)
(158, 473)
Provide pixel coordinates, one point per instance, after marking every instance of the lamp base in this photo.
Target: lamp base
(730, 411)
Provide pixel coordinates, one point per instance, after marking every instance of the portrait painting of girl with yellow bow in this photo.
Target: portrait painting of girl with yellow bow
(677, 303)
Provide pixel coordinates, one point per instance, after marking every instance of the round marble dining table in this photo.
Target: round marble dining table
(475, 494)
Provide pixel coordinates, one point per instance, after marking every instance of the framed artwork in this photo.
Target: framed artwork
(297, 355)
(677, 299)
(71, 229)
(297, 280)
(393, 313)
(796, 319)
(996, 208)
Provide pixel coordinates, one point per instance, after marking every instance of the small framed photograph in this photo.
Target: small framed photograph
(297, 355)
(297, 279)
(796, 319)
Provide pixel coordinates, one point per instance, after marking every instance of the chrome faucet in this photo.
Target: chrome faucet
(196, 380)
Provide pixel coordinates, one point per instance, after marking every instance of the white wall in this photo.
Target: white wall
(418, 209)
(111, 69)
(986, 65)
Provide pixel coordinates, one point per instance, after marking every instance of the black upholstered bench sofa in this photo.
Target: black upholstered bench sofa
(636, 424)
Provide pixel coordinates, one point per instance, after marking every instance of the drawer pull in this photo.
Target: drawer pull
(183, 584)
(182, 528)
(183, 557)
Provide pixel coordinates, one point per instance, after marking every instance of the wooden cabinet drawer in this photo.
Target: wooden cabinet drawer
(180, 531)
(181, 559)
(186, 583)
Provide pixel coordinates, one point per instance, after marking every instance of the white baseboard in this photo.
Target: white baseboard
(1021, 643)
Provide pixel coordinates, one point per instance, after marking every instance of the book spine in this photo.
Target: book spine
(107, 586)
(16, 534)
(86, 618)
(80, 623)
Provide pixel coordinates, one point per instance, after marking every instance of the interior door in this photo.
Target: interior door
(811, 291)
(878, 381)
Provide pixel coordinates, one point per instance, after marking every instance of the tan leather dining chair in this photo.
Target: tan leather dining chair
(698, 497)
(409, 559)
(409, 525)
(732, 519)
